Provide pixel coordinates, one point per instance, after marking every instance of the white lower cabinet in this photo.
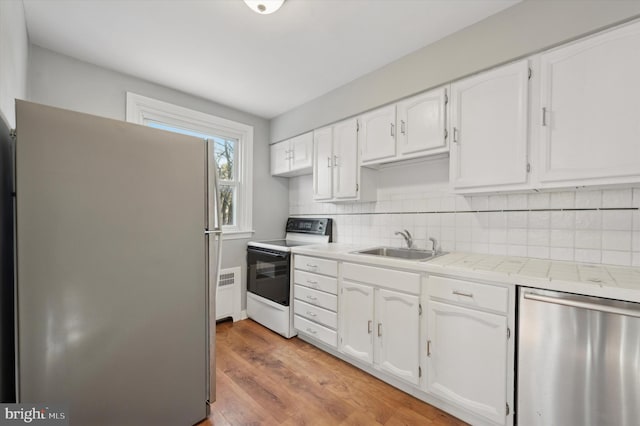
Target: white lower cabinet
(467, 346)
(315, 300)
(380, 327)
(398, 334)
(356, 321)
(457, 355)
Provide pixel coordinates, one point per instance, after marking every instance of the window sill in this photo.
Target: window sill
(237, 235)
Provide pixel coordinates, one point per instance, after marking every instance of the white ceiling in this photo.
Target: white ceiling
(263, 64)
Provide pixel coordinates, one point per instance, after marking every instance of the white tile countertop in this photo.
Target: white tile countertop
(614, 282)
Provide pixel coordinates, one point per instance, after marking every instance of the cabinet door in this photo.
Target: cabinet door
(591, 98)
(397, 334)
(345, 160)
(356, 321)
(279, 158)
(489, 128)
(467, 358)
(378, 134)
(322, 164)
(302, 152)
(421, 123)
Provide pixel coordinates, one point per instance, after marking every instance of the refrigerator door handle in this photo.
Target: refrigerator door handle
(207, 274)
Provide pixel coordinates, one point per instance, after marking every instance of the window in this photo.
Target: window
(232, 142)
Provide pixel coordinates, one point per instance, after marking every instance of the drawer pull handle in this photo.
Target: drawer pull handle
(312, 298)
(379, 329)
(462, 293)
(369, 326)
(312, 331)
(311, 314)
(311, 265)
(312, 282)
(428, 348)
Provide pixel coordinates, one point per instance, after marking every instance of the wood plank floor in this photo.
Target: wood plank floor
(264, 379)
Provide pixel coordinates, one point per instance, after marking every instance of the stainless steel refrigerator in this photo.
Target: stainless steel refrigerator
(118, 250)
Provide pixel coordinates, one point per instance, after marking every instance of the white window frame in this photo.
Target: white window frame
(140, 109)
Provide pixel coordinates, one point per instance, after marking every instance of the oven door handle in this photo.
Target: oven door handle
(268, 252)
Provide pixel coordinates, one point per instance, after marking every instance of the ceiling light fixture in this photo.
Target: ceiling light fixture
(264, 7)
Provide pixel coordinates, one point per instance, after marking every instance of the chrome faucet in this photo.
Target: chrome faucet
(407, 237)
(435, 248)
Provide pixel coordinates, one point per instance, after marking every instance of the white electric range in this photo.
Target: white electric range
(269, 290)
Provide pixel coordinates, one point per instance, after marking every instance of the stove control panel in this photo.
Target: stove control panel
(309, 226)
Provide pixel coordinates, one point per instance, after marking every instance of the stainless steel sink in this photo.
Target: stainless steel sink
(399, 253)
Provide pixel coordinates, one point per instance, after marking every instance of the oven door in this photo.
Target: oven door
(268, 274)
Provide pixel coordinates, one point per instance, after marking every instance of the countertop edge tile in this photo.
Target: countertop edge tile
(451, 264)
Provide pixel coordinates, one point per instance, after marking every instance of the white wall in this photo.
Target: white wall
(65, 82)
(14, 46)
(594, 226)
(527, 27)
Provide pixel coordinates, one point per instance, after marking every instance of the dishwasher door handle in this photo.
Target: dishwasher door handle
(584, 305)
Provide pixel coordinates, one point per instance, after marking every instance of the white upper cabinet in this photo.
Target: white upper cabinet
(302, 153)
(280, 158)
(421, 124)
(418, 130)
(489, 132)
(345, 160)
(378, 135)
(322, 164)
(292, 157)
(336, 171)
(590, 110)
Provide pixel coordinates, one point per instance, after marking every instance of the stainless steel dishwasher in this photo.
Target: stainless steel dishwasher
(578, 360)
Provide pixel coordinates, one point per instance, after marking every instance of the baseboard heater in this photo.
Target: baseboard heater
(228, 303)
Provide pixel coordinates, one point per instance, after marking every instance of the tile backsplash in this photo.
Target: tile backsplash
(595, 226)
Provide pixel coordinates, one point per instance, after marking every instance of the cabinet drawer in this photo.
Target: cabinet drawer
(314, 264)
(316, 314)
(317, 331)
(469, 293)
(315, 297)
(396, 280)
(315, 281)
